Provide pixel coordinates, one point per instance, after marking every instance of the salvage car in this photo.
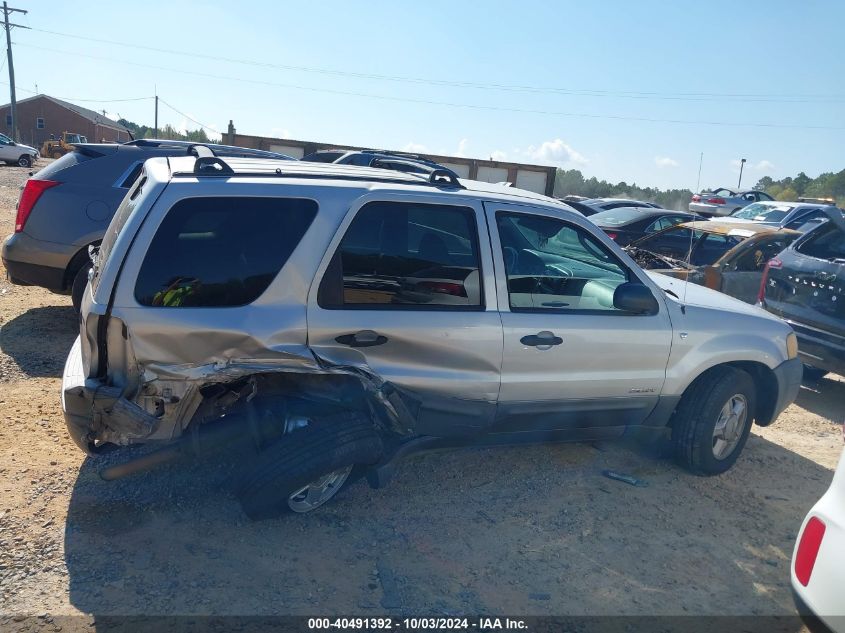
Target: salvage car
(13, 153)
(818, 560)
(323, 315)
(805, 285)
(726, 256)
(798, 216)
(64, 209)
(626, 224)
(724, 201)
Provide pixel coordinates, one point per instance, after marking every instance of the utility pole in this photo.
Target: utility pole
(6, 11)
(698, 182)
(741, 165)
(155, 134)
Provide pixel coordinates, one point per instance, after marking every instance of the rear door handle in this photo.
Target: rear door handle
(364, 338)
(544, 339)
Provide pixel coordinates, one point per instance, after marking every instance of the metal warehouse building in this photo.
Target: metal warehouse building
(536, 178)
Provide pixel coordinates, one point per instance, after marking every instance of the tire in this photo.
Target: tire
(706, 401)
(25, 161)
(330, 445)
(813, 374)
(56, 155)
(77, 289)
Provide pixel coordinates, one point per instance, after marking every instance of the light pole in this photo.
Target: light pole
(741, 165)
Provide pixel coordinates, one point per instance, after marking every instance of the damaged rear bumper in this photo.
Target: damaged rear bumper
(87, 404)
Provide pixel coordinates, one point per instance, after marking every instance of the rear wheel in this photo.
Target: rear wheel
(78, 288)
(56, 155)
(713, 421)
(304, 469)
(25, 161)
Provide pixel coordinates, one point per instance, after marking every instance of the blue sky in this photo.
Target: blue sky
(579, 77)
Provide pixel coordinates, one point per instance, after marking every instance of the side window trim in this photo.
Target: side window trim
(332, 266)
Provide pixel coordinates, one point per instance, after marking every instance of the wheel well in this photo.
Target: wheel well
(764, 381)
(76, 262)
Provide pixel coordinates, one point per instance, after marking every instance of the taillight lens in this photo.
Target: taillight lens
(443, 287)
(696, 198)
(772, 263)
(808, 549)
(715, 200)
(32, 191)
(612, 236)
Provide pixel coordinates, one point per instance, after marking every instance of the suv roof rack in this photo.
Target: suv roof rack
(209, 164)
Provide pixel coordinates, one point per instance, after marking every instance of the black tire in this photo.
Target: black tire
(303, 456)
(813, 374)
(56, 155)
(77, 289)
(694, 422)
(25, 161)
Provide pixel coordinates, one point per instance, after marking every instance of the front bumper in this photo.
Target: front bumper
(789, 374)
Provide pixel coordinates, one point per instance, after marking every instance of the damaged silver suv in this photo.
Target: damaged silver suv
(335, 318)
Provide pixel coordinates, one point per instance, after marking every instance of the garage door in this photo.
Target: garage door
(531, 180)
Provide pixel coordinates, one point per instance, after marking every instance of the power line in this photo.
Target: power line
(79, 98)
(450, 104)
(582, 92)
(202, 125)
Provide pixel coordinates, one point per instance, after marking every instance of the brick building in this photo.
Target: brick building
(42, 115)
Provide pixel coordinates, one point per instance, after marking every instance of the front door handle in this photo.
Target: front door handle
(364, 338)
(541, 340)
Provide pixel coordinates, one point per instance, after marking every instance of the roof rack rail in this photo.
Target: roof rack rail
(207, 163)
(444, 177)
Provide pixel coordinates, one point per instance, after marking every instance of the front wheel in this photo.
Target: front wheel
(25, 161)
(713, 420)
(304, 469)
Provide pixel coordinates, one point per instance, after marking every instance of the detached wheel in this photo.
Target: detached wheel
(713, 421)
(304, 469)
(25, 161)
(77, 289)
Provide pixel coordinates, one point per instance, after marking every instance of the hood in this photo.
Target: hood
(695, 295)
(26, 147)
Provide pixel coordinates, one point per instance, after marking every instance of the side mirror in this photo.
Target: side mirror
(635, 297)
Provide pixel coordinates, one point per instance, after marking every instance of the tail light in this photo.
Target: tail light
(715, 200)
(612, 236)
(696, 198)
(32, 191)
(444, 288)
(772, 263)
(808, 549)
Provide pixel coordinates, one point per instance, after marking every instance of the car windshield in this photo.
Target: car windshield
(760, 212)
(617, 216)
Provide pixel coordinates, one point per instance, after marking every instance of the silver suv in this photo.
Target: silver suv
(336, 318)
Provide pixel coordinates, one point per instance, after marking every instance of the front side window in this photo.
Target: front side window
(219, 252)
(399, 255)
(553, 265)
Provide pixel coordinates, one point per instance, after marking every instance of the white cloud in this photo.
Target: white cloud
(665, 161)
(462, 148)
(555, 153)
(279, 132)
(415, 148)
(498, 155)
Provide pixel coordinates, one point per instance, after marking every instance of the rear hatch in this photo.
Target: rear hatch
(806, 284)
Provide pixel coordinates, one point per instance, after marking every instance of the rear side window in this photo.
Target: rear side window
(406, 255)
(220, 252)
(827, 242)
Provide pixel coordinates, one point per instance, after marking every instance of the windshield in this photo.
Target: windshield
(761, 212)
(617, 216)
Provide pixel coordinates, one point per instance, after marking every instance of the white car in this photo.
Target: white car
(13, 153)
(818, 562)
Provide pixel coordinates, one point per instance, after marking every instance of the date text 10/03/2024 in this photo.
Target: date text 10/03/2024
(418, 623)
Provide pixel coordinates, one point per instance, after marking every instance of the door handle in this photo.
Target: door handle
(364, 338)
(544, 339)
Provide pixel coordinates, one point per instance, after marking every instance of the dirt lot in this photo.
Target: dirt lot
(530, 530)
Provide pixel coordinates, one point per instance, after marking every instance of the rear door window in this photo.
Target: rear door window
(219, 252)
(401, 255)
(827, 242)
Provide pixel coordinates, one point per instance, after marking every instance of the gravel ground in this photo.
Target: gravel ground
(529, 530)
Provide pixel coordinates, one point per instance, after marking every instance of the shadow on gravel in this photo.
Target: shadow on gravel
(824, 397)
(39, 339)
(527, 530)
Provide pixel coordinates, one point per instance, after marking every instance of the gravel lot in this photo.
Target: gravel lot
(529, 530)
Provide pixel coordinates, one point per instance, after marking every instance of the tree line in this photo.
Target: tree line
(167, 132)
(827, 185)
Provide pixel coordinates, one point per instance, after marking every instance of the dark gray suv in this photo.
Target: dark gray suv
(66, 207)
